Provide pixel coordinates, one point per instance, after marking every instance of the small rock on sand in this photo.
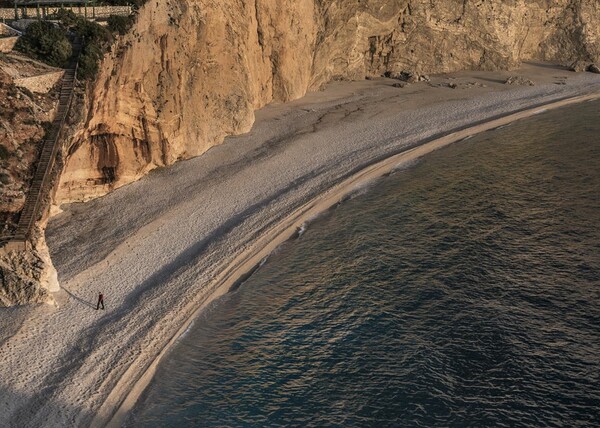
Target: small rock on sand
(578, 66)
(593, 68)
(407, 76)
(519, 80)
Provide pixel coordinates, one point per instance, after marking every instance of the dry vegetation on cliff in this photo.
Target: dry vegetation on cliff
(24, 118)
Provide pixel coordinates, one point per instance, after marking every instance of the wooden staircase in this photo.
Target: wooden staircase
(50, 148)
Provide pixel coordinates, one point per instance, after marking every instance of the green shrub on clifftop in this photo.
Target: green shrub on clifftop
(120, 24)
(46, 42)
(49, 42)
(66, 17)
(94, 38)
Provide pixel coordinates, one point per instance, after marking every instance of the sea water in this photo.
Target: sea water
(462, 291)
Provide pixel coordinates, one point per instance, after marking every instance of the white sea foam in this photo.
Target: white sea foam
(262, 262)
(302, 229)
(403, 166)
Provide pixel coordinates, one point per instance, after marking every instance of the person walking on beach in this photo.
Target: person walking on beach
(100, 301)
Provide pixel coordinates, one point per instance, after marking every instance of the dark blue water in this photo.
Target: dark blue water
(464, 291)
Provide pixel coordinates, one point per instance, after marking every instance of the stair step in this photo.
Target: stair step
(48, 151)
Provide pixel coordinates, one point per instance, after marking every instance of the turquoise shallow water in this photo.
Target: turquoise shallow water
(462, 291)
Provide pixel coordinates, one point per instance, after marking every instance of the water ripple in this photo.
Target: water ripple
(464, 291)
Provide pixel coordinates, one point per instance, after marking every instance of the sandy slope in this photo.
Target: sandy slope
(158, 248)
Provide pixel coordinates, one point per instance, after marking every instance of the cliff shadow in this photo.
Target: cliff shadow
(18, 409)
(549, 66)
(488, 79)
(11, 320)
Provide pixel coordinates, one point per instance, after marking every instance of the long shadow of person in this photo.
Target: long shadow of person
(79, 299)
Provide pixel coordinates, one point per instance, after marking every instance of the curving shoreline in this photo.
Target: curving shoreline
(164, 247)
(286, 230)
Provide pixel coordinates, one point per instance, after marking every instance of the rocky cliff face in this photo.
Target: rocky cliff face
(27, 276)
(193, 71)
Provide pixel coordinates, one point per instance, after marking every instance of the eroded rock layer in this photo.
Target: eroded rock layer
(193, 71)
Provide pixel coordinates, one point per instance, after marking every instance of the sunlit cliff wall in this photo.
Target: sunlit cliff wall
(193, 71)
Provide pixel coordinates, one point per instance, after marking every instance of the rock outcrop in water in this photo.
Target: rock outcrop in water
(193, 71)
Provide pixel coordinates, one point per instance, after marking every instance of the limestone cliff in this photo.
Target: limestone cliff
(27, 276)
(193, 71)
